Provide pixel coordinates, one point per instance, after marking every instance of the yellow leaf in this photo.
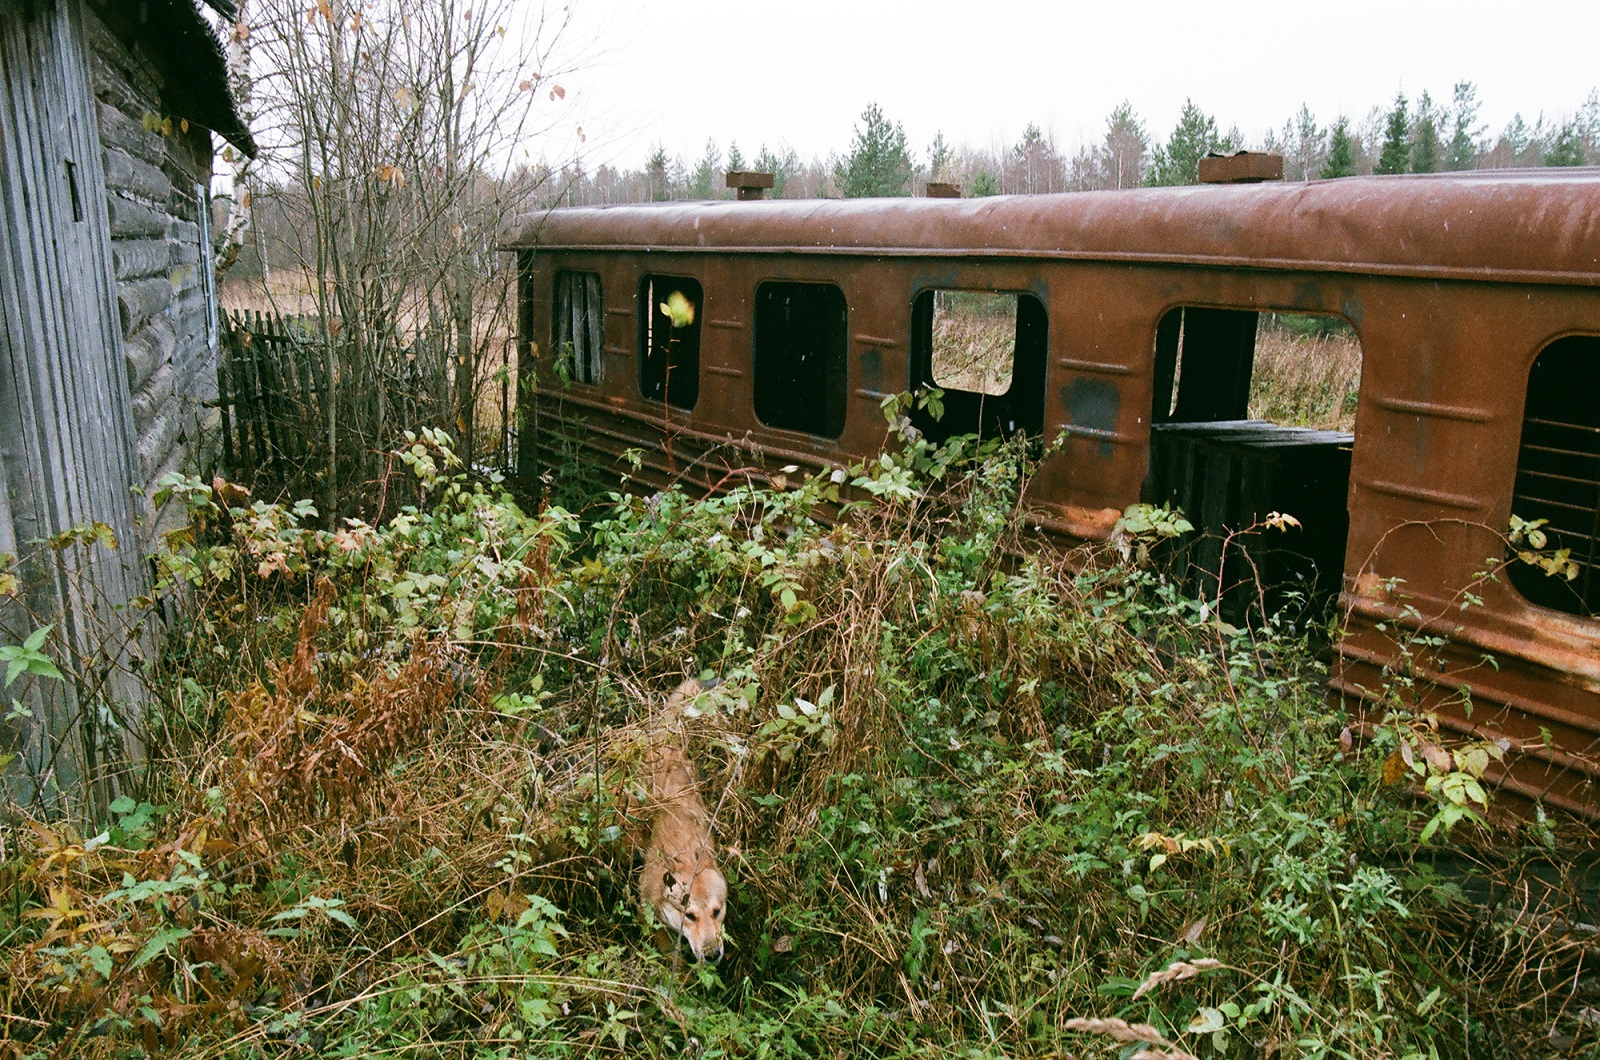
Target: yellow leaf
(678, 309)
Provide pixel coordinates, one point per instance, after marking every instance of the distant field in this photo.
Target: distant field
(1306, 380)
(974, 334)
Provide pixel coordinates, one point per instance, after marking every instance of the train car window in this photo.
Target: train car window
(669, 340)
(801, 357)
(973, 342)
(1292, 369)
(1558, 480)
(987, 351)
(1252, 415)
(579, 331)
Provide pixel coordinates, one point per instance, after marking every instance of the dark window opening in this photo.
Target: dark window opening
(579, 327)
(1247, 419)
(802, 357)
(72, 189)
(1217, 353)
(987, 351)
(669, 340)
(1558, 476)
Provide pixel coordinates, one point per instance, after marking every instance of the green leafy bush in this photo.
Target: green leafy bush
(975, 797)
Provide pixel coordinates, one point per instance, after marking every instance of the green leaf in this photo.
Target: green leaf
(157, 945)
(342, 917)
(36, 639)
(100, 960)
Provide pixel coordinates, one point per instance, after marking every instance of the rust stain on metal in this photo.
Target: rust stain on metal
(1241, 167)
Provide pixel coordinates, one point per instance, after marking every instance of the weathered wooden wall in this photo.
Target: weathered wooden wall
(155, 182)
(67, 439)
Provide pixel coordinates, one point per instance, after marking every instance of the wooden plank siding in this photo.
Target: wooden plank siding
(67, 442)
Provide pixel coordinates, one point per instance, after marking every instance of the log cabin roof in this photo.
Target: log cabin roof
(178, 40)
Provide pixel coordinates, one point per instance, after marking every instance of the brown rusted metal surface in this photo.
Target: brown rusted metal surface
(1453, 284)
(938, 189)
(749, 184)
(1241, 167)
(1531, 226)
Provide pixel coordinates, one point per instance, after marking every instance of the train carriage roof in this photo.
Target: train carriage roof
(1540, 225)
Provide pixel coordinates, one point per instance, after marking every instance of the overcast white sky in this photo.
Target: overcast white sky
(801, 71)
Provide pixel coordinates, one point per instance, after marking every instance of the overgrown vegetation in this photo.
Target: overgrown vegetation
(977, 798)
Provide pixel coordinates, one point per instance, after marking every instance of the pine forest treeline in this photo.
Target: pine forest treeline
(1420, 134)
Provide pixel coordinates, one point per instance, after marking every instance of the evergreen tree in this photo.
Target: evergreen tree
(1393, 157)
(656, 171)
(781, 164)
(1302, 141)
(703, 184)
(1425, 138)
(939, 158)
(879, 162)
(1126, 145)
(1462, 150)
(735, 159)
(1589, 124)
(1034, 163)
(1192, 138)
(1341, 160)
(1517, 135)
(1566, 147)
(984, 185)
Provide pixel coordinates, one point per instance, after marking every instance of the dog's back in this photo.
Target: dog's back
(680, 880)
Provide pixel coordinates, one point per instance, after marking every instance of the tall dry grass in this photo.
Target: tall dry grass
(1306, 380)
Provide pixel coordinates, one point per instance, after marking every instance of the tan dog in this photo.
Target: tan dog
(680, 881)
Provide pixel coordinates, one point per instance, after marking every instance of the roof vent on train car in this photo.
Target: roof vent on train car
(938, 189)
(750, 185)
(1241, 167)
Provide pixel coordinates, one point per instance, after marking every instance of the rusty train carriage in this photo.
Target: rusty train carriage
(1475, 299)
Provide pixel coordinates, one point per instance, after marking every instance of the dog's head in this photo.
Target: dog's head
(694, 899)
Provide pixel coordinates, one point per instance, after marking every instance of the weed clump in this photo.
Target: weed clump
(974, 797)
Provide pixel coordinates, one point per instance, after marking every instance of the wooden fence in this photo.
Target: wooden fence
(272, 384)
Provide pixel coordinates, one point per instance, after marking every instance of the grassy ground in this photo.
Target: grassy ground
(970, 805)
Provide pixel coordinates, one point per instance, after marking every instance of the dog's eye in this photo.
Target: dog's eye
(691, 917)
(717, 912)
